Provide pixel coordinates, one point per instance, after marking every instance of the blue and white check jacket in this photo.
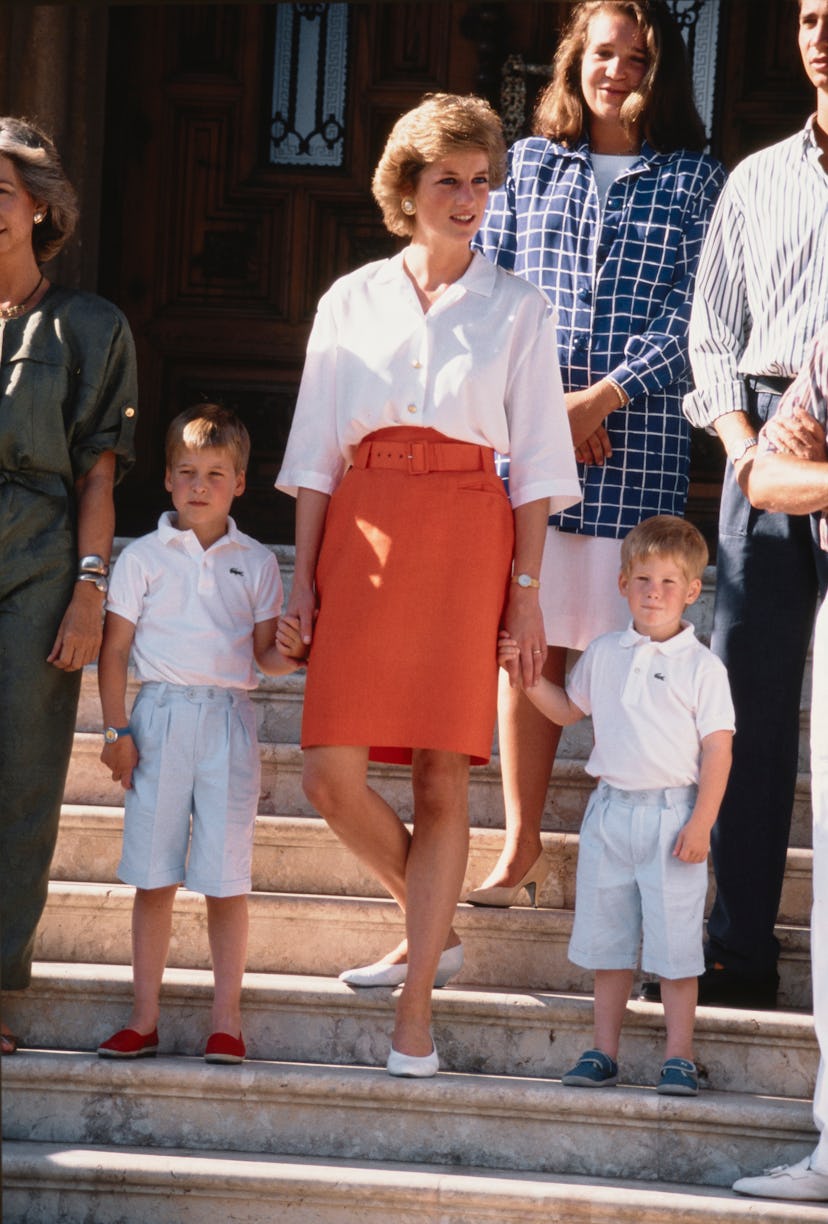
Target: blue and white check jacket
(622, 283)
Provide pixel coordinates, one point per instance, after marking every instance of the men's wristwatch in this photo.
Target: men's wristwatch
(113, 734)
(525, 580)
(742, 449)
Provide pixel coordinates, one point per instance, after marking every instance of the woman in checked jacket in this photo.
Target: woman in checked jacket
(604, 209)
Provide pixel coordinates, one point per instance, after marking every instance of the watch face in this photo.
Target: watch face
(110, 735)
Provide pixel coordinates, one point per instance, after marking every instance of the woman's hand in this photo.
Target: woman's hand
(79, 634)
(596, 448)
(523, 623)
(587, 410)
(302, 610)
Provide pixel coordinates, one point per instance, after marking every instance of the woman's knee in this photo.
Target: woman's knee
(330, 780)
(441, 781)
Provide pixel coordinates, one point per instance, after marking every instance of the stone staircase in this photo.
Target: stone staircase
(310, 1128)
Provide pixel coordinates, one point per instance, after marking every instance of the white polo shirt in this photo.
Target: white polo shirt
(193, 608)
(652, 703)
(480, 366)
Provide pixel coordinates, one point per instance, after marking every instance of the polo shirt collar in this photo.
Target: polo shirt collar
(630, 637)
(168, 534)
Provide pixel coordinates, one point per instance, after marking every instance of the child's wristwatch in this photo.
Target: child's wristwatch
(113, 734)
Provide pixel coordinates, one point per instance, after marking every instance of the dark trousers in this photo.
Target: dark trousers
(769, 575)
(38, 703)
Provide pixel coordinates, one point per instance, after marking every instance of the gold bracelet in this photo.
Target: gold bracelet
(623, 399)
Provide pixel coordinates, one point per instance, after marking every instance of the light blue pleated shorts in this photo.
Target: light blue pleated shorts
(631, 891)
(191, 812)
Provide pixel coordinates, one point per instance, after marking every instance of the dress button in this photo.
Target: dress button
(129, 412)
(412, 407)
(416, 364)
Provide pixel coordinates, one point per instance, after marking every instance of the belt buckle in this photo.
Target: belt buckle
(417, 458)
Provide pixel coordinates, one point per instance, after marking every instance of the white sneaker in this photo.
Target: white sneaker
(797, 1181)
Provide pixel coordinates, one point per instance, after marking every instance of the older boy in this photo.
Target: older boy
(663, 723)
(195, 602)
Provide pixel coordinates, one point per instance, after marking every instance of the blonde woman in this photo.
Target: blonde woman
(409, 554)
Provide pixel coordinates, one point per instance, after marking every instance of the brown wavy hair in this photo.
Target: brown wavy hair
(441, 124)
(663, 106)
(41, 172)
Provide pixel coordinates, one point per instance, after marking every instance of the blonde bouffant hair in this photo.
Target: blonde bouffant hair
(665, 535)
(442, 124)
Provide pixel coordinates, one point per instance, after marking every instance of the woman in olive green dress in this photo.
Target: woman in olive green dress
(67, 416)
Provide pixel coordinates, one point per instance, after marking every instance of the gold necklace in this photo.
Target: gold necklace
(12, 312)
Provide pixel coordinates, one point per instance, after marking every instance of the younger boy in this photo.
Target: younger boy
(663, 724)
(195, 602)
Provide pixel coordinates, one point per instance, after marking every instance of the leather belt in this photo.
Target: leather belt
(768, 383)
(419, 458)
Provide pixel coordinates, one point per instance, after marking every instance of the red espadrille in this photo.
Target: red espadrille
(224, 1048)
(126, 1043)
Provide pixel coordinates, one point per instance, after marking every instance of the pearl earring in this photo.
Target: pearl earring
(38, 217)
(408, 206)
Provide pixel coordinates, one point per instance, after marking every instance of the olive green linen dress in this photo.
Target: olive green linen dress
(67, 395)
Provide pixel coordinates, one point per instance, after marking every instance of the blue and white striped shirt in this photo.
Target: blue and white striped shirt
(762, 287)
(621, 281)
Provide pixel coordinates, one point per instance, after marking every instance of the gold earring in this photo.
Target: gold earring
(38, 217)
(408, 206)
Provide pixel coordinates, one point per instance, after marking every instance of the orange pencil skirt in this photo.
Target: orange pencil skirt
(411, 580)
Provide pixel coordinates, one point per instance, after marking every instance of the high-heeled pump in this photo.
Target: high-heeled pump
(380, 974)
(502, 896)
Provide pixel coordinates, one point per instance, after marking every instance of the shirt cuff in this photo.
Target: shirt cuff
(703, 408)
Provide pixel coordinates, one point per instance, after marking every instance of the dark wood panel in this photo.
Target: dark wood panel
(218, 257)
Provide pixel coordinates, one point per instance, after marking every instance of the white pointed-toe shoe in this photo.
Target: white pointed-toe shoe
(381, 974)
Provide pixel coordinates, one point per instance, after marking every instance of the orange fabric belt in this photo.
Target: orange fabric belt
(418, 458)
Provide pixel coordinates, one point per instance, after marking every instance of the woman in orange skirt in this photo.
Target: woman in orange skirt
(409, 553)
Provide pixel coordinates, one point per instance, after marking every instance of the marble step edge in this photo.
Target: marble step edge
(301, 854)
(364, 1114)
(184, 1187)
(281, 794)
(301, 1018)
(293, 933)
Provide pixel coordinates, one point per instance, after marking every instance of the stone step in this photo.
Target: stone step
(301, 855)
(358, 1113)
(47, 1182)
(304, 1019)
(89, 783)
(289, 933)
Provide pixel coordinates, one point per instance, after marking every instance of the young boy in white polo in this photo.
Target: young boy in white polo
(663, 724)
(195, 602)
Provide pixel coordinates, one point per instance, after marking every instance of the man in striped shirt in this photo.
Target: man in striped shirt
(761, 295)
(784, 482)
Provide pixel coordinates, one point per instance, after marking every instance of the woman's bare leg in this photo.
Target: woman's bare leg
(528, 744)
(335, 781)
(435, 868)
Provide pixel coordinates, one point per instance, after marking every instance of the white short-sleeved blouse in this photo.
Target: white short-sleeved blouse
(479, 366)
